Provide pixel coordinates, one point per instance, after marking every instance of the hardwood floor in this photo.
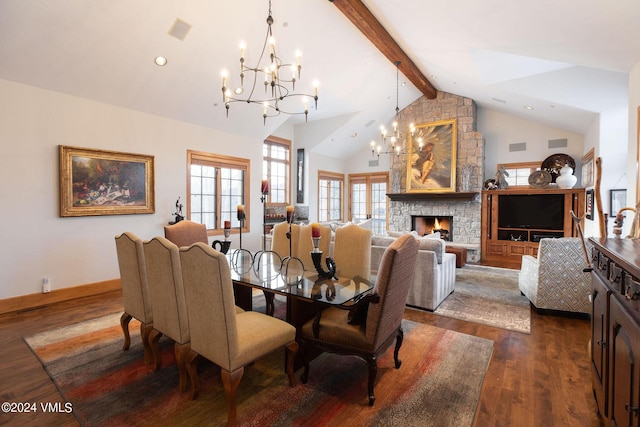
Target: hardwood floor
(542, 379)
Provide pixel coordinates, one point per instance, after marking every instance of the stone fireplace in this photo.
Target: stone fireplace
(463, 206)
(430, 224)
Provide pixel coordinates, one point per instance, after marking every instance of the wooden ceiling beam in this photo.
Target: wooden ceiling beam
(369, 25)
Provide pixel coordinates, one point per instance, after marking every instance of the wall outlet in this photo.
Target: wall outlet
(46, 285)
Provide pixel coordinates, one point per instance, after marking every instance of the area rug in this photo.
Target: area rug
(438, 383)
(489, 296)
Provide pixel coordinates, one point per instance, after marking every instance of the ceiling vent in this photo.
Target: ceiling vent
(179, 29)
(558, 143)
(373, 163)
(520, 146)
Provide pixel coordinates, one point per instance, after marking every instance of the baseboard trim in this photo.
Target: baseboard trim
(26, 302)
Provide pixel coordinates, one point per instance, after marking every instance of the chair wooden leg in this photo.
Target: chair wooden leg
(192, 369)
(154, 337)
(373, 372)
(231, 381)
(181, 351)
(305, 374)
(399, 339)
(124, 323)
(145, 330)
(292, 352)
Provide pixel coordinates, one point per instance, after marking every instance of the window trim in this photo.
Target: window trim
(331, 176)
(220, 160)
(275, 140)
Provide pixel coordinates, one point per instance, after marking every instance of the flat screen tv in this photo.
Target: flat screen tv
(537, 211)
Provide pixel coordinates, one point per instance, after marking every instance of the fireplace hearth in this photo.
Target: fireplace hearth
(429, 224)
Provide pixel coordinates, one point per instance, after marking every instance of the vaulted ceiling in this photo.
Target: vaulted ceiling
(568, 60)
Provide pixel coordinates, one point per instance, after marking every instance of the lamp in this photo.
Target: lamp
(394, 142)
(276, 83)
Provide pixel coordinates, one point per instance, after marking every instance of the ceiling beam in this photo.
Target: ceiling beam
(364, 20)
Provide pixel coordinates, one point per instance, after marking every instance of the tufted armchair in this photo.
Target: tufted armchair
(555, 280)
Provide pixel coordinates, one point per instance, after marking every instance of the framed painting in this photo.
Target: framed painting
(98, 182)
(617, 201)
(588, 200)
(431, 160)
(587, 169)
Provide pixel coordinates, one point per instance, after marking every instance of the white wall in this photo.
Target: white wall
(633, 141)
(81, 250)
(499, 130)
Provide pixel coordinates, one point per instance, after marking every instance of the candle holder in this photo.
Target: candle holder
(316, 257)
(242, 260)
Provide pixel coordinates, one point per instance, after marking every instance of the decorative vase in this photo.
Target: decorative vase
(566, 179)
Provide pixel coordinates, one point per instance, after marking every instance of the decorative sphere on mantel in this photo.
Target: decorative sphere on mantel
(566, 179)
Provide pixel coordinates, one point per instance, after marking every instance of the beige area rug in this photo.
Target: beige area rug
(489, 296)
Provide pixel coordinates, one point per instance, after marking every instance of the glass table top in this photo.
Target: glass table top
(265, 272)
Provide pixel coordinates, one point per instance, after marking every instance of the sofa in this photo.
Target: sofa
(435, 274)
(555, 280)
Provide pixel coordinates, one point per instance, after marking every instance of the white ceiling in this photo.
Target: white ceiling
(568, 59)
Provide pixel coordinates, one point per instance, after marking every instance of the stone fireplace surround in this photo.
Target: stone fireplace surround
(466, 210)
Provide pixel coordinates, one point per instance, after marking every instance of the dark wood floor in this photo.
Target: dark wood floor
(542, 379)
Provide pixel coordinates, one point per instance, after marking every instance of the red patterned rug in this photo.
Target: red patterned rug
(438, 383)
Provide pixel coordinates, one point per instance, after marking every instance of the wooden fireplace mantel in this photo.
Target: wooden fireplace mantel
(403, 197)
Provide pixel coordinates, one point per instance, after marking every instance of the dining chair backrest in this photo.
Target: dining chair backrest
(133, 277)
(166, 289)
(210, 304)
(394, 278)
(305, 245)
(185, 233)
(352, 251)
(280, 242)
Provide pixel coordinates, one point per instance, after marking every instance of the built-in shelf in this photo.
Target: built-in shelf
(402, 197)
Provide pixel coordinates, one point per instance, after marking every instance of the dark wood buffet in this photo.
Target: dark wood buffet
(615, 330)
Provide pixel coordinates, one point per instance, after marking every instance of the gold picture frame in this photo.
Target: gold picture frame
(431, 160)
(98, 182)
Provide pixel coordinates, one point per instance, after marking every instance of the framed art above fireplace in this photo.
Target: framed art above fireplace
(431, 158)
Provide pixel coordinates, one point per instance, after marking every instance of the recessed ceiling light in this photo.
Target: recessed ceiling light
(160, 61)
(353, 135)
(528, 107)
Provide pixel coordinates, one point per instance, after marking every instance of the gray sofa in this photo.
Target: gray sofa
(435, 274)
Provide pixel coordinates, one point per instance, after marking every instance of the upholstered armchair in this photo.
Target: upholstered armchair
(370, 327)
(352, 251)
(230, 340)
(185, 233)
(556, 280)
(166, 290)
(135, 291)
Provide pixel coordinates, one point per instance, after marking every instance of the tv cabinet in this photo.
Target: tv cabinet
(504, 246)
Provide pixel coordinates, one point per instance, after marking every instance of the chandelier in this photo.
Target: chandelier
(394, 142)
(279, 81)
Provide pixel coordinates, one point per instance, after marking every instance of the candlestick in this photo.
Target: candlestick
(290, 214)
(241, 215)
(264, 189)
(315, 229)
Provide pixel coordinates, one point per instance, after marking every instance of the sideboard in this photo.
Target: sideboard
(615, 330)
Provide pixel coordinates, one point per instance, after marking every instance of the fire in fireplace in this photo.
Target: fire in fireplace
(429, 224)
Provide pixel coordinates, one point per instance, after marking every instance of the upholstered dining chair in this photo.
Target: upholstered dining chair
(135, 291)
(185, 233)
(166, 290)
(352, 251)
(369, 327)
(230, 340)
(280, 242)
(305, 245)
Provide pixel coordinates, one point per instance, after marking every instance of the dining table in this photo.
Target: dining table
(305, 291)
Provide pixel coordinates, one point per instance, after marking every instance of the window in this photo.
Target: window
(519, 172)
(369, 199)
(330, 192)
(276, 167)
(216, 186)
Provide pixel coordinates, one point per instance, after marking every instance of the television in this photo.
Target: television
(531, 211)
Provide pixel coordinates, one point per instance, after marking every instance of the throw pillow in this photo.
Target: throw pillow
(381, 240)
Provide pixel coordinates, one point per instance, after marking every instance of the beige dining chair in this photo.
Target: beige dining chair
(229, 339)
(135, 290)
(166, 290)
(280, 242)
(352, 251)
(185, 233)
(369, 328)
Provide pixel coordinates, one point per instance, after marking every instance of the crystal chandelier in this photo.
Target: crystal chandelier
(279, 81)
(394, 142)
